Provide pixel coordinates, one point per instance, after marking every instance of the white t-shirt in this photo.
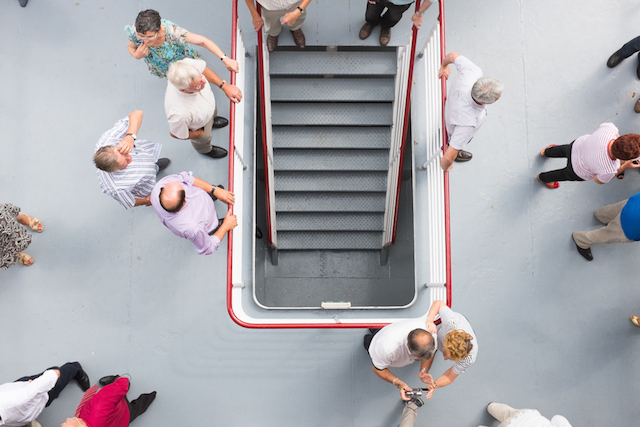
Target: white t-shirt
(532, 418)
(463, 116)
(21, 402)
(189, 111)
(450, 321)
(389, 346)
(590, 154)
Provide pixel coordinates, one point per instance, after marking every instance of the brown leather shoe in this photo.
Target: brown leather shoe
(365, 31)
(272, 43)
(298, 38)
(636, 107)
(463, 156)
(385, 36)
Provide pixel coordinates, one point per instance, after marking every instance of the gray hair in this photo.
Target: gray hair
(148, 20)
(423, 352)
(486, 90)
(181, 74)
(106, 159)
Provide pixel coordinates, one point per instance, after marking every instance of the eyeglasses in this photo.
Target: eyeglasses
(150, 38)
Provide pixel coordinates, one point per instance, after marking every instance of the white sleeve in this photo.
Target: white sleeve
(560, 421)
(42, 384)
(461, 136)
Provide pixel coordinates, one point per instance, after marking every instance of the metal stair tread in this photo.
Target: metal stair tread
(331, 137)
(304, 240)
(330, 221)
(329, 202)
(347, 160)
(335, 89)
(332, 113)
(334, 63)
(330, 180)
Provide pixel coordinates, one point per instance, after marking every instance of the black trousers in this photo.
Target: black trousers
(140, 405)
(367, 338)
(566, 174)
(391, 17)
(68, 372)
(630, 48)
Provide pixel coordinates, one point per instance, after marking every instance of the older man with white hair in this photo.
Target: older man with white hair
(185, 206)
(191, 107)
(465, 108)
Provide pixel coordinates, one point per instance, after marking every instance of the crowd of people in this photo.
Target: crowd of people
(127, 168)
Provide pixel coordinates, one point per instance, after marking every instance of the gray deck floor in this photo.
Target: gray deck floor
(118, 292)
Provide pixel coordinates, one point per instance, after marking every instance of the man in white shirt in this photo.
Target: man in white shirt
(465, 108)
(191, 107)
(292, 13)
(510, 417)
(22, 401)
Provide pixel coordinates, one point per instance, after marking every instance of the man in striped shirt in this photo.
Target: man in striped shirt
(593, 157)
(127, 167)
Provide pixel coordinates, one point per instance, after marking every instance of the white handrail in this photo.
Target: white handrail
(269, 141)
(395, 151)
(239, 167)
(435, 175)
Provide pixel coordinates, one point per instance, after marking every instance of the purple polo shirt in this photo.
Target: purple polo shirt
(196, 218)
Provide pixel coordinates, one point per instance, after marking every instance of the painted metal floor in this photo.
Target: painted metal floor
(118, 292)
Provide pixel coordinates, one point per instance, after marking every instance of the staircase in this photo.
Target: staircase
(331, 122)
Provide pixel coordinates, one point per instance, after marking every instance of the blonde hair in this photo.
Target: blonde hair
(458, 343)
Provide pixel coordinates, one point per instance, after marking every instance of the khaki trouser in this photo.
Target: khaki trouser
(612, 233)
(203, 144)
(272, 23)
(409, 414)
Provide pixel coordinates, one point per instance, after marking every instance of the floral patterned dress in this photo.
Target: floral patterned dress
(173, 49)
(13, 236)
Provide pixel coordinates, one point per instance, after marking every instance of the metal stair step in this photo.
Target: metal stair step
(331, 181)
(330, 221)
(326, 160)
(331, 137)
(337, 114)
(301, 240)
(334, 63)
(329, 202)
(335, 89)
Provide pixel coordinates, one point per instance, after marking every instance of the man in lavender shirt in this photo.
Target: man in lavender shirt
(185, 206)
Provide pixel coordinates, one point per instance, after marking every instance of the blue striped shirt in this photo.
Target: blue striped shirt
(139, 177)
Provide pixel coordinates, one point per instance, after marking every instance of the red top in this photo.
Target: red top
(107, 407)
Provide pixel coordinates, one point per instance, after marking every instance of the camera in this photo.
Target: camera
(417, 392)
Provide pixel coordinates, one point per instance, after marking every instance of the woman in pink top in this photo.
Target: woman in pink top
(596, 156)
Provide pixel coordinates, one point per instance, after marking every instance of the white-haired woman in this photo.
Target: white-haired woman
(160, 42)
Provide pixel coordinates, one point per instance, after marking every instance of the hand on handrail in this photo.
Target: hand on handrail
(232, 92)
(257, 22)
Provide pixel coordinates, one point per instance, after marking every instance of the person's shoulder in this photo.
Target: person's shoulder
(200, 64)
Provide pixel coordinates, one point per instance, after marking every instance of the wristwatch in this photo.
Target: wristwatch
(300, 9)
(222, 84)
(132, 135)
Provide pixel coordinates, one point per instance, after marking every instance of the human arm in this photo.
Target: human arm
(629, 164)
(229, 223)
(255, 16)
(446, 161)
(137, 51)
(444, 68)
(424, 374)
(417, 17)
(143, 202)
(202, 41)
(32, 389)
(220, 193)
(232, 91)
(387, 376)
(433, 311)
(291, 17)
(444, 380)
(126, 143)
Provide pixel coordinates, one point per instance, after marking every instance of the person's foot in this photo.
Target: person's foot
(220, 122)
(635, 320)
(614, 60)
(365, 31)
(298, 38)
(636, 107)
(34, 223)
(551, 185)
(83, 379)
(216, 152)
(463, 156)
(163, 163)
(586, 253)
(272, 43)
(544, 150)
(25, 259)
(34, 423)
(109, 379)
(385, 36)
(23, 3)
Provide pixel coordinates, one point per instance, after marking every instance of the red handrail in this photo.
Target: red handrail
(234, 317)
(405, 125)
(445, 144)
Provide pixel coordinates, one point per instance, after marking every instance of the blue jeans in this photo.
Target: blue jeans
(630, 48)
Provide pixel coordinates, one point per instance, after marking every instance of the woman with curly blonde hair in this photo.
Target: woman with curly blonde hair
(456, 341)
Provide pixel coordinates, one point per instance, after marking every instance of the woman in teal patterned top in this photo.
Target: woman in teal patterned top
(160, 42)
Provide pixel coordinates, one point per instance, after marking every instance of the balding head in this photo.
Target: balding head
(421, 344)
(172, 197)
